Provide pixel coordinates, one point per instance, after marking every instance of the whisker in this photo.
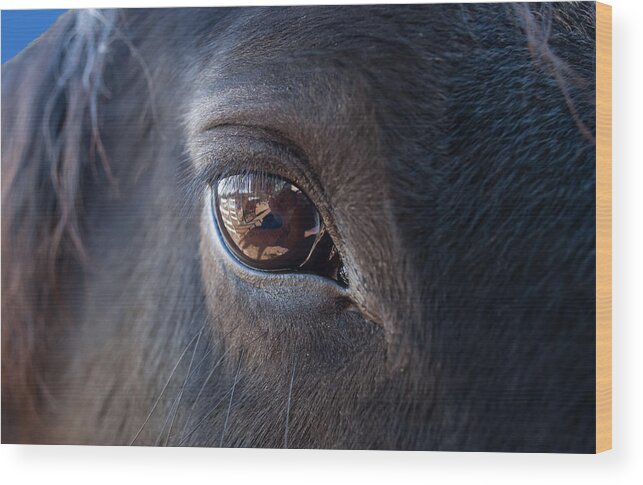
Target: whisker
(158, 399)
(292, 380)
(225, 423)
(223, 398)
(205, 382)
(165, 423)
(207, 379)
(203, 359)
(180, 396)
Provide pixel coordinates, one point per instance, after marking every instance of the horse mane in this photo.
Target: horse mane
(537, 25)
(50, 96)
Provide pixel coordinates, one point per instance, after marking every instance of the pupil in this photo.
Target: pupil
(271, 221)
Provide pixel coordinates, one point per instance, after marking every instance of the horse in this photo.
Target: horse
(435, 292)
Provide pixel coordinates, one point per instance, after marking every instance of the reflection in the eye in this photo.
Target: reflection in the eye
(269, 222)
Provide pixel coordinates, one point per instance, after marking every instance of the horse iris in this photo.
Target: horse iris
(269, 224)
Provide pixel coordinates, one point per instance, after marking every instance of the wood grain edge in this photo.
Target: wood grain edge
(603, 227)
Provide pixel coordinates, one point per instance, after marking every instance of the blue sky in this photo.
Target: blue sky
(20, 27)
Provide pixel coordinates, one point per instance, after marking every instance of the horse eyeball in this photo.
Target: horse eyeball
(269, 224)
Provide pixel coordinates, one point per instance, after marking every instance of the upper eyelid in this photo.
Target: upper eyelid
(267, 150)
(257, 132)
(219, 154)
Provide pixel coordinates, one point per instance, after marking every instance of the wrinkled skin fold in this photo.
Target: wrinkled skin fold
(449, 151)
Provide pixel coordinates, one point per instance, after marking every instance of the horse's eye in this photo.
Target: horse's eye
(269, 224)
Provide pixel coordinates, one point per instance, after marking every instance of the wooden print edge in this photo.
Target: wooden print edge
(603, 227)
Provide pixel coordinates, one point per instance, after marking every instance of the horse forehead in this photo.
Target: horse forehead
(261, 31)
(342, 83)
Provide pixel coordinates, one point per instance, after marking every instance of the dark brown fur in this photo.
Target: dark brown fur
(450, 150)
